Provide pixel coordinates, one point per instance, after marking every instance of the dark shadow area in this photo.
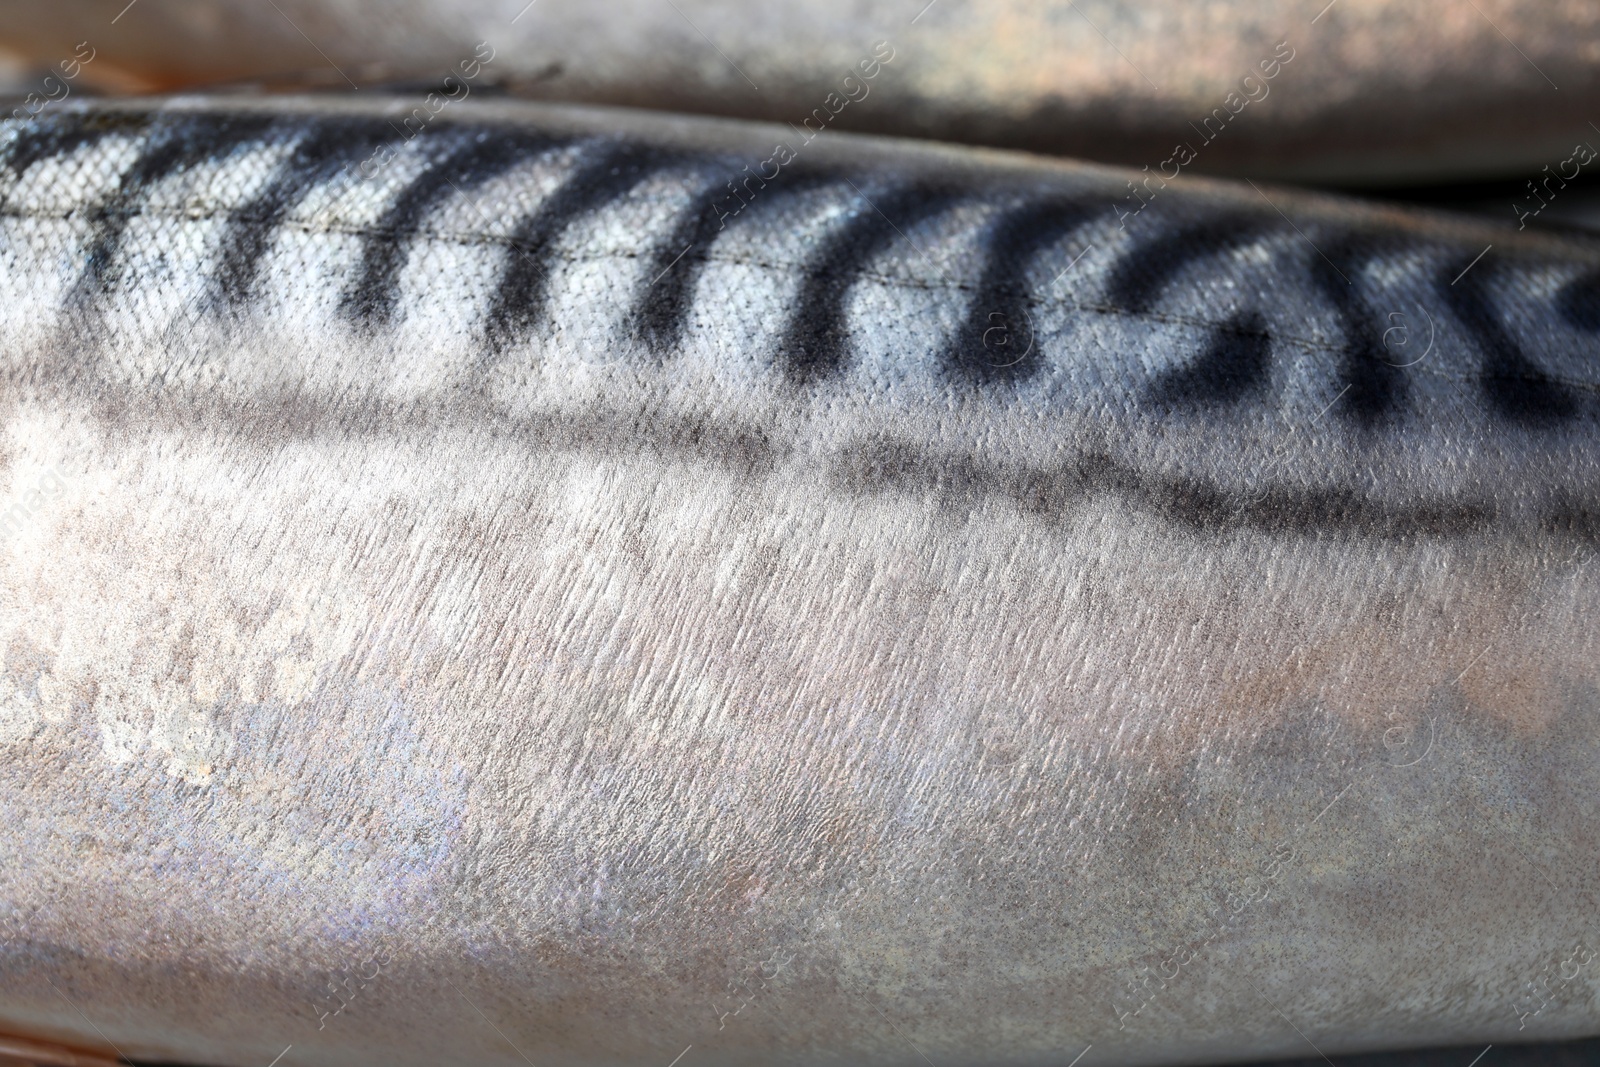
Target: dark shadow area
(1538, 201)
(1582, 1053)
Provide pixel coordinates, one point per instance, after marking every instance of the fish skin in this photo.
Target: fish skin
(544, 693)
(1375, 91)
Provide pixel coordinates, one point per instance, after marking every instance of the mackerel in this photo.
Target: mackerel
(575, 586)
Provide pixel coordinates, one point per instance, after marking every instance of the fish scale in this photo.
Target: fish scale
(774, 665)
(1135, 280)
(1367, 389)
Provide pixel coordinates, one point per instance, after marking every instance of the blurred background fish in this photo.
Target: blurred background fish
(1361, 91)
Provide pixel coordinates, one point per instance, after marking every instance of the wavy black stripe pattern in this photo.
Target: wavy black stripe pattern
(318, 155)
(661, 317)
(817, 341)
(55, 137)
(457, 167)
(1140, 278)
(607, 172)
(1233, 366)
(1375, 387)
(996, 339)
(1514, 387)
(175, 143)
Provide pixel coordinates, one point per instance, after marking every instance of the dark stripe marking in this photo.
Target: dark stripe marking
(322, 151)
(963, 483)
(1374, 387)
(954, 479)
(983, 348)
(376, 290)
(609, 174)
(662, 315)
(1235, 365)
(1579, 301)
(663, 311)
(48, 138)
(1138, 280)
(177, 143)
(1516, 389)
(817, 337)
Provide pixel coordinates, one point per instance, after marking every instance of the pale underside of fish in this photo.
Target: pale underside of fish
(1376, 90)
(505, 595)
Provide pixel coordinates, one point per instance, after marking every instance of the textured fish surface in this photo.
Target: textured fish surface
(1348, 90)
(534, 592)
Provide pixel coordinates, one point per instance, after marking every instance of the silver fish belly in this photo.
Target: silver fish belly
(576, 587)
